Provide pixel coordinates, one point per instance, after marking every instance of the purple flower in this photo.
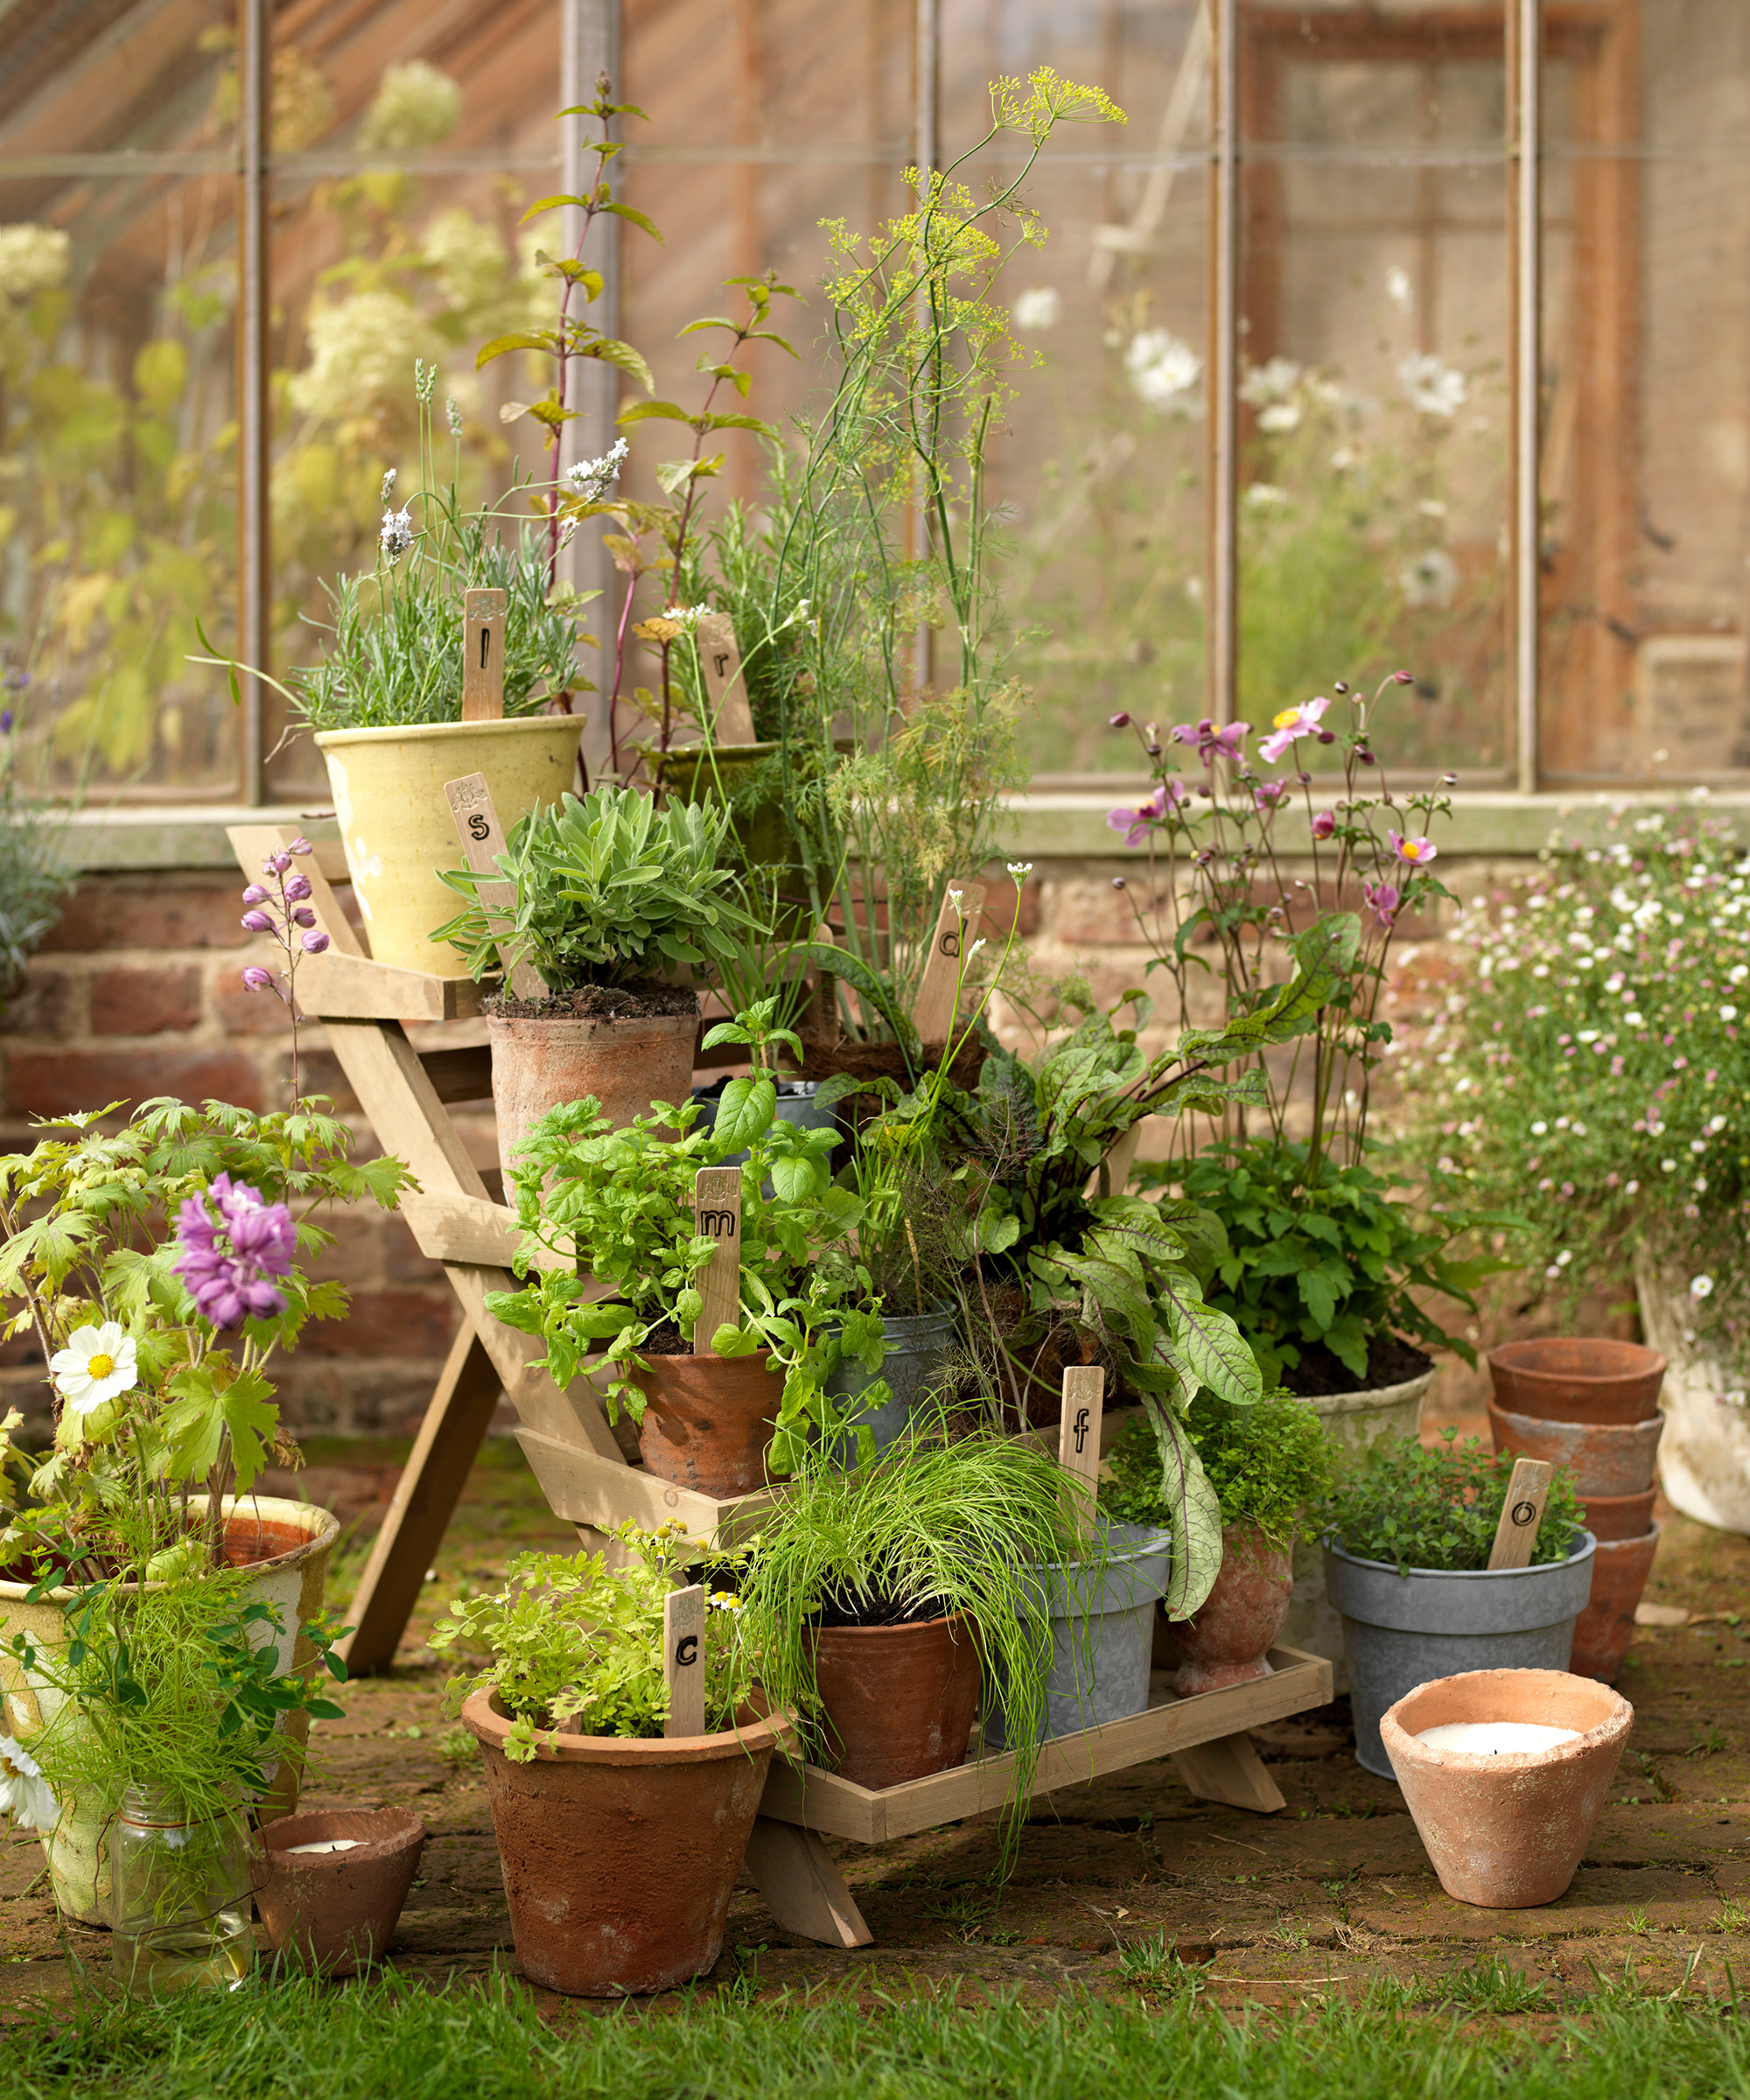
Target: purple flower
(304, 916)
(297, 889)
(299, 847)
(6, 721)
(1415, 852)
(1118, 721)
(258, 979)
(1292, 722)
(1134, 824)
(1210, 741)
(228, 1263)
(1382, 900)
(257, 922)
(314, 944)
(1324, 823)
(1268, 793)
(254, 894)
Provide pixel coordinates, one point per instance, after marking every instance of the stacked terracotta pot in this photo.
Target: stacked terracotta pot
(1594, 1407)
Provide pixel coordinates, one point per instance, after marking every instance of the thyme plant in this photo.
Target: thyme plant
(1439, 1510)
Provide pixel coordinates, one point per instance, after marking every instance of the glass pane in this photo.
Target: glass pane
(1645, 472)
(1099, 471)
(1374, 319)
(75, 81)
(117, 471)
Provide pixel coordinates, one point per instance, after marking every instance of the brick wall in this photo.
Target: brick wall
(136, 992)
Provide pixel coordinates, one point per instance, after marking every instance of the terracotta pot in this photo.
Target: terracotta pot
(900, 1700)
(1607, 1625)
(708, 1421)
(1576, 1379)
(1226, 1639)
(285, 1545)
(336, 1912)
(1507, 1831)
(1613, 1517)
(1605, 1458)
(620, 1856)
(625, 1065)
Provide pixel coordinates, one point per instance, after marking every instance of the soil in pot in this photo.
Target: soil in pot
(1607, 1625)
(1227, 1639)
(1391, 1362)
(335, 1883)
(627, 1046)
(1507, 1831)
(1404, 1630)
(1605, 1458)
(620, 1855)
(708, 1420)
(1573, 1378)
(900, 1693)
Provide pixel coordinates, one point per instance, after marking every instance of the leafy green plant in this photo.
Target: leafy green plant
(1267, 1464)
(613, 1206)
(942, 1525)
(573, 1642)
(608, 892)
(1439, 1510)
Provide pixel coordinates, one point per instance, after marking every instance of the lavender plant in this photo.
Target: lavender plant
(1590, 1071)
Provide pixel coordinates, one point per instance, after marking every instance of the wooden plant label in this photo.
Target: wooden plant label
(683, 1660)
(731, 717)
(933, 1016)
(1078, 1438)
(1520, 1514)
(482, 837)
(716, 1215)
(483, 618)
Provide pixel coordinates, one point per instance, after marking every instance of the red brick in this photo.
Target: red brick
(409, 1324)
(46, 1004)
(52, 1084)
(318, 1072)
(145, 1001)
(242, 1011)
(134, 911)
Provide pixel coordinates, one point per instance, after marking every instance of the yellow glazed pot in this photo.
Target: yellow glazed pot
(396, 826)
(286, 1545)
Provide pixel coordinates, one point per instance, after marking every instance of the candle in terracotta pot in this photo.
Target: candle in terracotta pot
(324, 1844)
(1490, 1738)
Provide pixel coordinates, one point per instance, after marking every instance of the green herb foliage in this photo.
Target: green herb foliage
(1267, 1464)
(575, 1642)
(1439, 1510)
(608, 892)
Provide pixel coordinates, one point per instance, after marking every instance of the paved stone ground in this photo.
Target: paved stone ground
(1334, 1893)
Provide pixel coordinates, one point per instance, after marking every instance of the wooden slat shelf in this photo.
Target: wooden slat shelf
(587, 1468)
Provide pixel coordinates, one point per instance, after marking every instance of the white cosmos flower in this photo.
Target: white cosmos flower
(1039, 307)
(1162, 369)
(1701, 1287)
(25, 1793)
(96, 1364)
(1434, 388)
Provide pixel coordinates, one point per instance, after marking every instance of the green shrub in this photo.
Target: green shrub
(1439, 1510)
(1267, 1463)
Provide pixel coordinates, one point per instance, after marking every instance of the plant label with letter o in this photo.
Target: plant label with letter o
(1515, 1535)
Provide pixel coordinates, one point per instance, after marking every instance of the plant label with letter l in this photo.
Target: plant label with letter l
(1078, 1438)
(1520, 1514)
(483, 618)
(720, 659)
(482, 837)
(933, 1016)
(716, 1215)
(683, 1660)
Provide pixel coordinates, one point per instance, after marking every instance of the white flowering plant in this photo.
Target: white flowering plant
(1592, 1072)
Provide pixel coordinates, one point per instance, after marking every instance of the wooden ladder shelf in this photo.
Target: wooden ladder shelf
(589, 1479)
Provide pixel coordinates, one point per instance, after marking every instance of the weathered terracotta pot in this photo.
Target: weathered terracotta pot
(1605, 1629)
(619, 1855)
(1226, 1639)
(625, 1065)
(900, 1700)
(1605, 1458)
(1566, 1378)
(1618, 1516)
(708, 1420)
(1506, 1831)
(336, 1912)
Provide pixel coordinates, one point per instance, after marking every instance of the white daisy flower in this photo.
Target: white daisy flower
(96, 1364)
(25, 1793)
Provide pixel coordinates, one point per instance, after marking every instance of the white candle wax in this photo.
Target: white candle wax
(1489, 1739)
(325, 1844)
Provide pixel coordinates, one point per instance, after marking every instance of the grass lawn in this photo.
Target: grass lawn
(393, 2041)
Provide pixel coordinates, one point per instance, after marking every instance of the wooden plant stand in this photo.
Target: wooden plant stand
(587, 1476)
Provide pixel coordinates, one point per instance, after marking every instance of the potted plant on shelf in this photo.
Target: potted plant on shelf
(1325, 1257)
(620, 1845)
(1267, 1464)
(1590, 1071)
(1408, 1534)
(616, 904)
(715, 1411)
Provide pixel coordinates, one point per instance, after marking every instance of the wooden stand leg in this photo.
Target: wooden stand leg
(803, 1889)
(1230, 1770)
(447, 1445)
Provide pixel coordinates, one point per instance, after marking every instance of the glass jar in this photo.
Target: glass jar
(181, 1894)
